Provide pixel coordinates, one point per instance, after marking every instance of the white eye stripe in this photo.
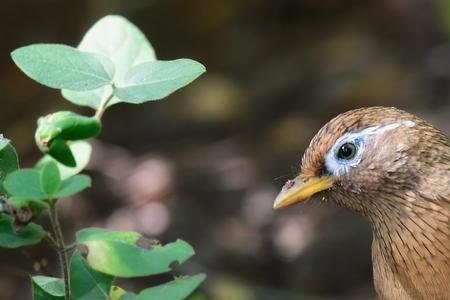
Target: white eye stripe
(338, 166)
(409, 123)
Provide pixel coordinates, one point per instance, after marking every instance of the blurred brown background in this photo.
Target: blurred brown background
(205, 164)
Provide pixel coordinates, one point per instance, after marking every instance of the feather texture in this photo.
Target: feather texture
(402, 185)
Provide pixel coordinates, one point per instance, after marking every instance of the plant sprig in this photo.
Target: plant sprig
(114, 63)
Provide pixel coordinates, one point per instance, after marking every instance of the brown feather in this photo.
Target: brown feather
(402, 185)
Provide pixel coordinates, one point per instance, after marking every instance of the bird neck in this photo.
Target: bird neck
(411, 248)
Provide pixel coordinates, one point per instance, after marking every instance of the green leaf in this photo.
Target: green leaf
(50, 179)
(30, 234)
(23, 186)
(64, 67)
(73, 185)
(47, 288)
(86, 283)
(60, 150)
(177, 289)
(128, 254)
(81, 150)
(157, 79)
(92, 98)
(123, 43)
(8, 161)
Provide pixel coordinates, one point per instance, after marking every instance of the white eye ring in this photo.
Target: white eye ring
(338, 166)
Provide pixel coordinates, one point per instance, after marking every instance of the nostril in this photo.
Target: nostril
(290, 183)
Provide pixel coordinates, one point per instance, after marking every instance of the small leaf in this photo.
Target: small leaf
(177, 289)
(123, 43)
(86, 283)
(128, 254)
(47, 288)
(30, 234)
(50, 179)
(60, 151)
(64, 67)
(8, 161)
(81, 150)
(157, 79)
(92, 98)
(23, 186)
(73, 185)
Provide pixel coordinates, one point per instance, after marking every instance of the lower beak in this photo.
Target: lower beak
(297, 190)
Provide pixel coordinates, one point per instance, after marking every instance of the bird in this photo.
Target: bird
(393, 168)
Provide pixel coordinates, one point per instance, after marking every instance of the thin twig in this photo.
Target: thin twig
(52, 241)
(61, 249)
(70, 248)
(102, 107)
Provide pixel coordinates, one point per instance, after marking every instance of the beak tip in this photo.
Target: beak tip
(280, 202)
(298, 191)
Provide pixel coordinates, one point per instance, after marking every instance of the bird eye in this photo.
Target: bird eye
(347, 151)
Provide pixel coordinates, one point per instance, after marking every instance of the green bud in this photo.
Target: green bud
(55, 130)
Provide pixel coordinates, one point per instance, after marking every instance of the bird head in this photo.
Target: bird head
(363, 158)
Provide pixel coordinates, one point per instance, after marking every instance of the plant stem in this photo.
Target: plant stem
(102, 107)
(61, 249)
(52, 241)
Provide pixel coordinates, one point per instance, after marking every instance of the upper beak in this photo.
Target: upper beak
(297, 190)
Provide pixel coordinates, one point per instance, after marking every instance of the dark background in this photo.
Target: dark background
(205, 164)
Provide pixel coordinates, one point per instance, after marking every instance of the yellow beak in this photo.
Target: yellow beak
(296, 190)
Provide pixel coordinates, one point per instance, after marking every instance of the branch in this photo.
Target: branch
(102, 107)
(61, 249)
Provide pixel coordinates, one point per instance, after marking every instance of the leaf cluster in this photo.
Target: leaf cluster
(114, 63)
